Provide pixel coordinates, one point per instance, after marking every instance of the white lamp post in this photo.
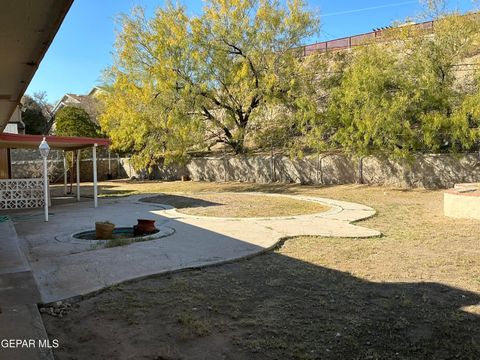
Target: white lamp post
(44, 150)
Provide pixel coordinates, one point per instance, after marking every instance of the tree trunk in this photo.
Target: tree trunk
(238, 146)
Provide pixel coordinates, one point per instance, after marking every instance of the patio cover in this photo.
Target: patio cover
(67, 143)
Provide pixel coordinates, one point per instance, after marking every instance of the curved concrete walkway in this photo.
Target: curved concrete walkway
(68, 269)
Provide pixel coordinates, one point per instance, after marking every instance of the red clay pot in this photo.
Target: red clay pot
(146, 226)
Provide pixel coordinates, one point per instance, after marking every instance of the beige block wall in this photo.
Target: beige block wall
(461, 206)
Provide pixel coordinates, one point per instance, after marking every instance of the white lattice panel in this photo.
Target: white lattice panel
(21, 193)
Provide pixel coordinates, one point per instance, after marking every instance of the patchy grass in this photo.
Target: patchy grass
(192, 325)
(412, 294)
(118, 242)
(238, 205)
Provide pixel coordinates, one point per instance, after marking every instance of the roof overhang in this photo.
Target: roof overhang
(14, 141)
(27, 28)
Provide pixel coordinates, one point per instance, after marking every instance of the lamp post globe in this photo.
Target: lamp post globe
(44, 148)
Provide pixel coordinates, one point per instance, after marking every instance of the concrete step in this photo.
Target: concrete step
(12, 258)
(18, 288)
(20, 319)
(23, 322)
(17, 284)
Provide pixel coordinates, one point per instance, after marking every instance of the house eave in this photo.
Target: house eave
(27, 28)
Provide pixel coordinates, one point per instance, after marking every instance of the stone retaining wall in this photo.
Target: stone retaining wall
(429, 171)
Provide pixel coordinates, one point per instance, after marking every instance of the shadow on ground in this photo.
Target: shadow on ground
(270, 307)
(178, 201)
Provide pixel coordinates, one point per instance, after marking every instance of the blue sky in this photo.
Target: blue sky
(83, 46)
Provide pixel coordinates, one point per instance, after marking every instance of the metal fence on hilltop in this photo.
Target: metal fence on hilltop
(356, 40)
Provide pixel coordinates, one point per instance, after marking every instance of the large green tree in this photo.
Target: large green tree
(404, 94)
(179, 82)
(37, 113)
(73, 121)
(33, 116)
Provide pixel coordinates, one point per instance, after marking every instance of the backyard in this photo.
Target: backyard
(277, 99)
(412, 293)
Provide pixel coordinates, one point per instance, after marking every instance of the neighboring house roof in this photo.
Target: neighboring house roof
(67, 99)
(97, 90)
(86, 102)
(75, 97)
(27, 29)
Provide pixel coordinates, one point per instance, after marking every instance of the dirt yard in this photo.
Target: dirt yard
(412, 294)
(237, 205)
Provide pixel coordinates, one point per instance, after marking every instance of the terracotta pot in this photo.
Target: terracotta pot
(104, 231)
(145, 226)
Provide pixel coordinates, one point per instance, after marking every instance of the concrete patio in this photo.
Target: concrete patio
(64, 269)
